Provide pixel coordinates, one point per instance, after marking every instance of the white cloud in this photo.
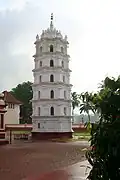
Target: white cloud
(13, 5)
(93, 31)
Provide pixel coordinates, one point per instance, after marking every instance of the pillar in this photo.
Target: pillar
(2, 121)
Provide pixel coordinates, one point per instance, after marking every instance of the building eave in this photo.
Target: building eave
(51, 69)
(19, 104)
(51, 53)
(51, 117)
(64, 100)
(52, 83)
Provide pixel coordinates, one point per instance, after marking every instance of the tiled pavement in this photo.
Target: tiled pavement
(77, 171)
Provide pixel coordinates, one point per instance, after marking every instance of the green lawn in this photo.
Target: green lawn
(76, 137)
(81, 135)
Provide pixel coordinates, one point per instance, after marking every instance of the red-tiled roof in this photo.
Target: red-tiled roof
(18, 127)
(9, 98)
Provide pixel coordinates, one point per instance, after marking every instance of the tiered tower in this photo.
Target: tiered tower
(51, 88)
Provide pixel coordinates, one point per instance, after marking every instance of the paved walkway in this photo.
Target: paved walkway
(77, 171)
(31, 160)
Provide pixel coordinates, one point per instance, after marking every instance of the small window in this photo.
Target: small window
(51, 94)
(41, 49)
(40, 78)
(38, 94)
(40, 63)
(38, 125)
(52, 111)
(11, 106)
(64, 110)
(62, 64)
(51, 78)
(38, 111)
(51, 48)
(65, 94)
(63, 78)
(62, 49)
(51, 63)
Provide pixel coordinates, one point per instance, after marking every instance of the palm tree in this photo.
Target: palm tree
(87, 105)
(75, 102)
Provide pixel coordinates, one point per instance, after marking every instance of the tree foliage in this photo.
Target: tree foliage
(75, 102)
(87, 106)
(23, 92)
(104, 155)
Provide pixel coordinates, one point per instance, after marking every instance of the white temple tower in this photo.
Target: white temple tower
(51, 88)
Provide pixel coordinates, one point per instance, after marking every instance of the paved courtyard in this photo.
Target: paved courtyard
(27, 160)
(78, 171)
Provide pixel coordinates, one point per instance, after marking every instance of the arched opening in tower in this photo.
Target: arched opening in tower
(51, 48)
(52, 111)
(51, 78)
(51, 63)
(52, 94)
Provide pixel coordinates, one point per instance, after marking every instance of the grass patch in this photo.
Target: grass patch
(76, 137)
(81, 136)
(21, 132)
(63, 140)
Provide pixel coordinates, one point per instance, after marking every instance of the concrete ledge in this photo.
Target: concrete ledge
(50, 135)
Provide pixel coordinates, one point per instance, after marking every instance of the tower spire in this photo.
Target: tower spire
(51, 21)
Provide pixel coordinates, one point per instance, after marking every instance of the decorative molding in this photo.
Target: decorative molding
(51, 117)
(52, 83)
(51, 56)
(41, 99)
(51, 53)
(52, 68)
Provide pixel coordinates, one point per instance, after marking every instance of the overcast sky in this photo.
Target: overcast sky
(92, 27)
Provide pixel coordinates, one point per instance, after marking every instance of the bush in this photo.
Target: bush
(104, 155)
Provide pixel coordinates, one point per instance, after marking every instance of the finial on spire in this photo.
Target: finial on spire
(51, 16)
(37, 37)
(51, 23)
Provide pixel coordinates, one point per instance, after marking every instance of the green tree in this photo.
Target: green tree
(75, 102)
(104, 155)
(87, 105)
(23, 92)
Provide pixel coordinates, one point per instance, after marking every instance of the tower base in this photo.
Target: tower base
(50, 135)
